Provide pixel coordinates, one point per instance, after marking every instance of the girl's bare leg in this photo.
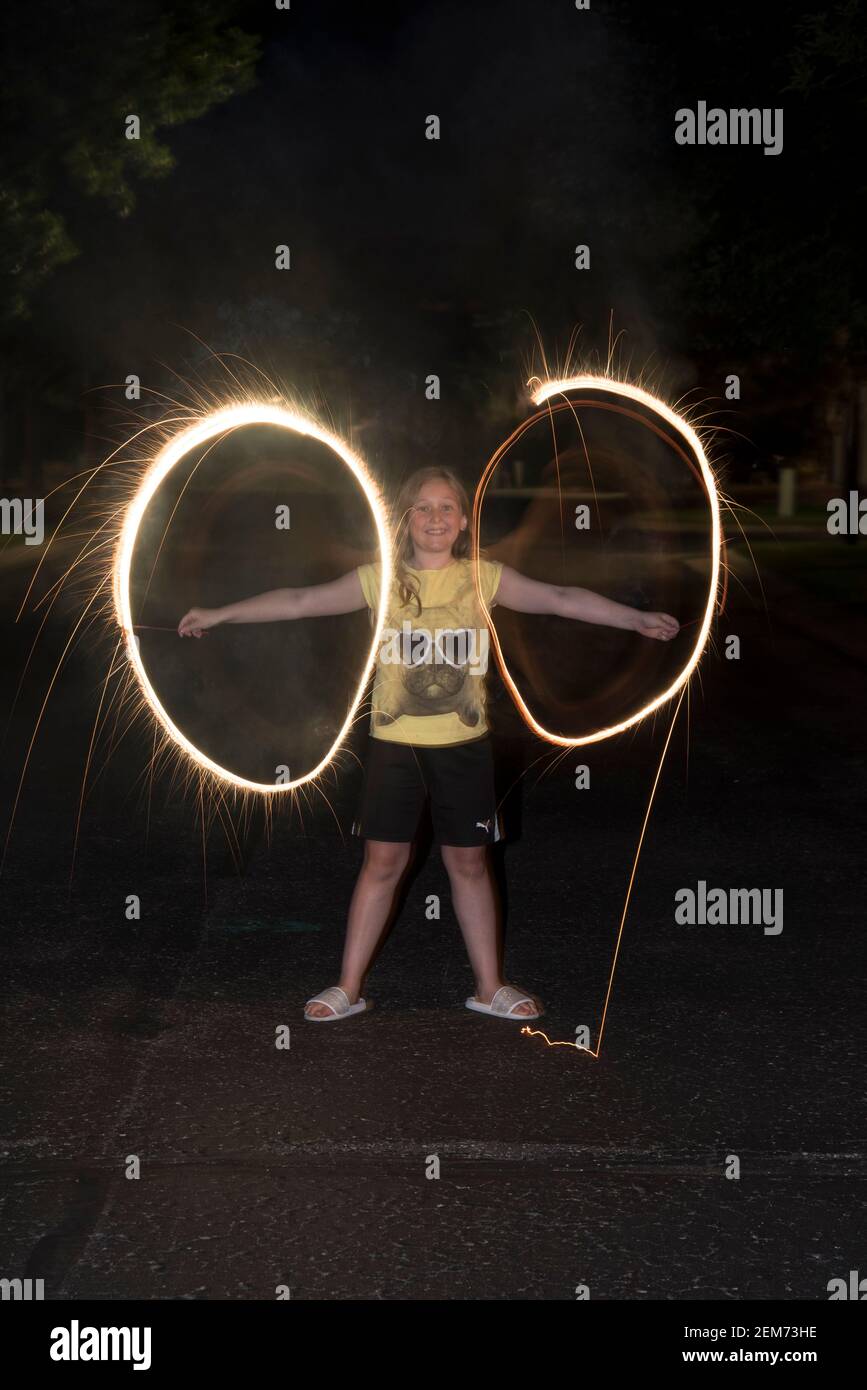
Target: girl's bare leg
(476, 910)
(372, 902)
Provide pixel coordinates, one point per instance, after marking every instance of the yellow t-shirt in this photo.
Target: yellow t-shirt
(429, 685)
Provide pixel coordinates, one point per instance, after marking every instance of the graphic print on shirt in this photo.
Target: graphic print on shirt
(435, 664)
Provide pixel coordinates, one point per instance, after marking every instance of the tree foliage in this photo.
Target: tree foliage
(73, 75)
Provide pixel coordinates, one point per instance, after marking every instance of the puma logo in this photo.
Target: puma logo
(483, 825)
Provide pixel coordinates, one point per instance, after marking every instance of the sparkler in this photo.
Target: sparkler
(208, 424)
(546, 395)
(220, 421)
(214, 424)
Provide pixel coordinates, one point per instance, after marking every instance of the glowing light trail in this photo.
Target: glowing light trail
(675, 422)
(537, 1033)
(209, 428)
(545, 395)
(594, 1051)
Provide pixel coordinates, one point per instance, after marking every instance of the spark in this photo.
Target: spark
(537, 1033)
(634, 872)
(543, 396)
(594, 1051)
(214, 424)
(111, 499)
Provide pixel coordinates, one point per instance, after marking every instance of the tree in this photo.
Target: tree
(73, 75)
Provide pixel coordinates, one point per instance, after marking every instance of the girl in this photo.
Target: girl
(429, 735)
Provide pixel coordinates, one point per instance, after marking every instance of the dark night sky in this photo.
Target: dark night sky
(546, 140)
(411, 256)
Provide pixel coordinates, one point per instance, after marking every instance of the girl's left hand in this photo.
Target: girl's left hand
(662, 626)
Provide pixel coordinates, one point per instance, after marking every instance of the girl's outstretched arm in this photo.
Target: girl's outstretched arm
(525, 595)
(343, 595)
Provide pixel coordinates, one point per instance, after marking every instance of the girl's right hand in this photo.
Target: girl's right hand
(197, 621)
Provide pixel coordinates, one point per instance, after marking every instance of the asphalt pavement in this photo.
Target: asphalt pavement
(157, 1143)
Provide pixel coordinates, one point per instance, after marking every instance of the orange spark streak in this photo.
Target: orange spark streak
(674, 421)
(594, 1052)
(537, 1033)
(544, 395)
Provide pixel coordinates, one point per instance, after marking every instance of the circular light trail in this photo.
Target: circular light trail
(545, 396)
(216, 423)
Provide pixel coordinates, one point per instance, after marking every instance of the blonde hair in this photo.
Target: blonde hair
(407, 587)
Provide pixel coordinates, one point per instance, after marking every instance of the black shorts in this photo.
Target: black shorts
(458, 779)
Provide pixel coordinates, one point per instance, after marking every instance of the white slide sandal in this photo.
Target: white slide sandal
(504, 1003)
(336, 999)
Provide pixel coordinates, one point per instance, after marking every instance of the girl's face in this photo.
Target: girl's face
(436, 519)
